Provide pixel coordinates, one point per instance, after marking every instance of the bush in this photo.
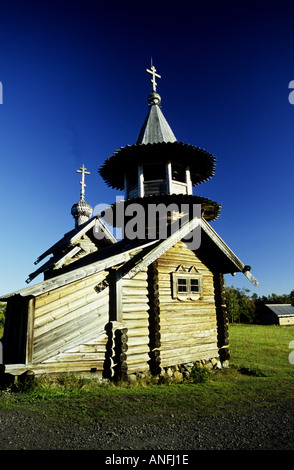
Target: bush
(198, 374)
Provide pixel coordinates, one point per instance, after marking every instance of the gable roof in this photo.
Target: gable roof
(281, 309)
(212, 249)
(133, 256)
(70, 245)
(106, 259)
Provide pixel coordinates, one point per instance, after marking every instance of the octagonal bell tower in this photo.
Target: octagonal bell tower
(159, 168)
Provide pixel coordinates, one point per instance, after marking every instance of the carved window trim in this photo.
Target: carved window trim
(187, 284)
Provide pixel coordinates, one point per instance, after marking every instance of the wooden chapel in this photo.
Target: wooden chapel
(144, 304)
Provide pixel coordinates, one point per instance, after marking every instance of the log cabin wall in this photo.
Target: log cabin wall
(69, 326)
(188, 328)
(135, 317)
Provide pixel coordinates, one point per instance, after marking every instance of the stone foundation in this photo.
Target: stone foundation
(176, 374)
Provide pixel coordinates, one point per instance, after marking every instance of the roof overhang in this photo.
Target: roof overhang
(140, 254)
(201, 163)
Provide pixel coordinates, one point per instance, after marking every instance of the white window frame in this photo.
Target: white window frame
(188, 275)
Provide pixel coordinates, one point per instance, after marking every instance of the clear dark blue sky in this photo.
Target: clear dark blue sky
(75, 90)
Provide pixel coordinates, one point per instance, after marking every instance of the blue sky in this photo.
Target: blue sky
(75, 90)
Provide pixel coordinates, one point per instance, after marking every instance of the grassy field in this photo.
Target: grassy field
(260, 374)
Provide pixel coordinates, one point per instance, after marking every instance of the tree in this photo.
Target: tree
(292, 297)
(233, 307)
(240, 307)
(244, 308)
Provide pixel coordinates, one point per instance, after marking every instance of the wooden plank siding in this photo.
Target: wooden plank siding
(69, 325)
(188, 328)
(135, 317)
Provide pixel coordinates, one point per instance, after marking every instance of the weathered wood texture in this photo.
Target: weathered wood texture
(222, 317)
(135, 317)
(188, 329)
(69, 325)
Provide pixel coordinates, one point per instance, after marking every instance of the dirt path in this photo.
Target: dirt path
(270, 428)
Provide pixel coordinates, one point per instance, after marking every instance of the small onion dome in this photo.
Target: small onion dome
(154, 98)
(81, 211)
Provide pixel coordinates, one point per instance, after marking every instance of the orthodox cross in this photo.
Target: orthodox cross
(84, 172)
(152, 71)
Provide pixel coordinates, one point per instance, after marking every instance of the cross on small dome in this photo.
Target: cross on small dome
(84, 172)
(152, 72)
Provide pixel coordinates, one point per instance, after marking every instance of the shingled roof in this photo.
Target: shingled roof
(281, 309)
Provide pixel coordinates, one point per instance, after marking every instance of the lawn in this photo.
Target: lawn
(260, 374)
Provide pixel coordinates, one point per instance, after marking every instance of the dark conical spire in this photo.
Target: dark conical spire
(155, 128)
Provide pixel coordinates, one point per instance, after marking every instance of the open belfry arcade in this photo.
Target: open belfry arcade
(152, 302)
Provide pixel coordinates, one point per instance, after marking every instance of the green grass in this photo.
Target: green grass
(259, 374)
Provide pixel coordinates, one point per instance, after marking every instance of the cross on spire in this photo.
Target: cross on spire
(84, 172)
(152, 72)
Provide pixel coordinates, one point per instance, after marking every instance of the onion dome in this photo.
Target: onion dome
(81, 210)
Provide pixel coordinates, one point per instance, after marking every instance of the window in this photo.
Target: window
(187, 284)
(182, 285)
(194, 285)
(154, 172)
(178, 172)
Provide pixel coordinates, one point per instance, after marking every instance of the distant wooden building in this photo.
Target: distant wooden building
(278, 314)
(143, 304)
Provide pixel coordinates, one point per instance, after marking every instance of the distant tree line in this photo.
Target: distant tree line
(245, 308)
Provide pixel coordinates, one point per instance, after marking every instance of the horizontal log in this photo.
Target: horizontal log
(135, 312)
(138, 332)
(135, 298)
(130, 316)
(174, 342)
(85, 366)
(138, 349)
(138, 291)
(77, 357)
(73, 288)
(134, 324)
(142, 367)
(176, 316)
(165, 299)
(135, 281)
(137, 340)
(182, 357)
(179, 260)
(137, 358)
(188, 328)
